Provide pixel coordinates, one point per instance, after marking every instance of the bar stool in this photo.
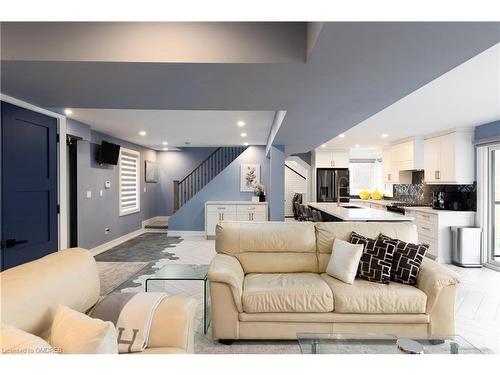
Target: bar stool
(308, 213)
(317, 218)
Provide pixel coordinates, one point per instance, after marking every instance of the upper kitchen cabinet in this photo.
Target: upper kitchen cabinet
(400, 157)
(408, 155)
(391, 176)
(332, 159)
(449, 158)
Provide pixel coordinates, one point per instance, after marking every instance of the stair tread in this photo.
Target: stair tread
(160, 224)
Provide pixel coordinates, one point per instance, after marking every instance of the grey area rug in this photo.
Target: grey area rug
(113, 274)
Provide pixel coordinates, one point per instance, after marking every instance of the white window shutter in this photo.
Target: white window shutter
(129, 172)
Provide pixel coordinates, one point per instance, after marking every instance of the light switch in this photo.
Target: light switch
(89, 194)
(100, 192)
(107, 184)
(144, 188)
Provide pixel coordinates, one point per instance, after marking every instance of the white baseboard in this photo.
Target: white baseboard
(117, 241)
(187, 233)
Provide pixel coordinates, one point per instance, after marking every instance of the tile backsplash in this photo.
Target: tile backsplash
(422, 193)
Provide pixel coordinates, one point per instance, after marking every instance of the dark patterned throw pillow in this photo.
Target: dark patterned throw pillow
(407, 260)
(376, 261)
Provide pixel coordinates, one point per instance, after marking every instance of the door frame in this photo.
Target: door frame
(483, 217)
(61, 165)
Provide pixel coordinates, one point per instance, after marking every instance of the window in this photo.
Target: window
(365, 174)
(129, 199)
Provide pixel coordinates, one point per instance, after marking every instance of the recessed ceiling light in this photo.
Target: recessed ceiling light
(68, 112)
(165, 148)
(323, 145)
(243, 135)
(341, 135)
(384, 135)
(164, 143)
(241, 124)
(356, 145)
(245, 144)
(142, 132)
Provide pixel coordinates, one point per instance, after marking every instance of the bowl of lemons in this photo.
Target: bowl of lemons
(377, 194)
(365, 194)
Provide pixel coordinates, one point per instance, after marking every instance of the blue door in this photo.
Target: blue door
(29, 185)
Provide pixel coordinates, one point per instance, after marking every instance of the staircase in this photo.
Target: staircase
(205, 172)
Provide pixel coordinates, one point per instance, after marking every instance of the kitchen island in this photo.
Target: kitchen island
(353, 212)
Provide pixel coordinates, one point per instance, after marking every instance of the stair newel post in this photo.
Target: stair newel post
(176, 195)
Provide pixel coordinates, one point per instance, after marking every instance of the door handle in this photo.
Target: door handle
(11, 242)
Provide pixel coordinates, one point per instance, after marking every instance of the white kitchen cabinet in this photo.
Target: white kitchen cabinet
(408, 155)
(401, 157)
(332, 159)
(215, 212)
(391, 176)
(433, 228)
(449, 158)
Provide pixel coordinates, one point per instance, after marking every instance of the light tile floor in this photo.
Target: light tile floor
(477, 307)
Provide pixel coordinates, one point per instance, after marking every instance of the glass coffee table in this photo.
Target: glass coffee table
(183, 272)
(330, 343)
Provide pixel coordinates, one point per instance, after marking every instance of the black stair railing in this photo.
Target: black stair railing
(205, 172)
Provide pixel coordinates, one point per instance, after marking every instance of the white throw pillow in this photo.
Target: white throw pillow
(344, 261)
(77, 333)
(16, 341)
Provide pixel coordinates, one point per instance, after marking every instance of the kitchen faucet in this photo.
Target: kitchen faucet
(338, 188)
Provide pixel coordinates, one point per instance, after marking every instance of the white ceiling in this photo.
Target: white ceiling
(468, 95)
(200, 128)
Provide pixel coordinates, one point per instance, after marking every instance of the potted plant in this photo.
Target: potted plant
(260, 192)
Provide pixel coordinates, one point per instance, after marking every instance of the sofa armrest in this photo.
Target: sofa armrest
(432, 279)
(227, 269)
(173, 324)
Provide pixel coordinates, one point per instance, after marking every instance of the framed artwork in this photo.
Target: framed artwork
(151, 171)
(250, 176)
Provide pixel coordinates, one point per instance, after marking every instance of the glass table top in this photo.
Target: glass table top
(329, 343)
(181, 272)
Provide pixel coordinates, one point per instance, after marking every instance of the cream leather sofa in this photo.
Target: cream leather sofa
(31, 292)
(268, 281)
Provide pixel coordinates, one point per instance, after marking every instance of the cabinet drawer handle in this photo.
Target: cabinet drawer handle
(426, 228)
(426, 216)
(221, 208)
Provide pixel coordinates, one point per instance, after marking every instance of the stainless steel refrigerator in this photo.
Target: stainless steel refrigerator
(329, 181)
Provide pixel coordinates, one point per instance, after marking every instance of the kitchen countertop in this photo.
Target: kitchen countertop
(429, 210)
(358, 214)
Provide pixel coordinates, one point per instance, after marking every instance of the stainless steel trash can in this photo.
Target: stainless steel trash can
(466, 246)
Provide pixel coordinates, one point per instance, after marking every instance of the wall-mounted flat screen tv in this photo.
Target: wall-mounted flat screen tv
(108, 153)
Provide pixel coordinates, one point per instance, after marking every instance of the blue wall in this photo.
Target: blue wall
(100, 212)
(78, 129)
(175, 165)
(489, 130)
(226, 186)
(276, 190)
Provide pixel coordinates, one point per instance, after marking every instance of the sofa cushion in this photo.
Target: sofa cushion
(286, 292)
(76, 333)
(327, 232)
(406, 260)
(376, 260)
(365, 297)
(16, 341)
(344, 262)
(269, 247)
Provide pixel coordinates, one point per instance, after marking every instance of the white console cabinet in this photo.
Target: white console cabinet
(217, 211)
